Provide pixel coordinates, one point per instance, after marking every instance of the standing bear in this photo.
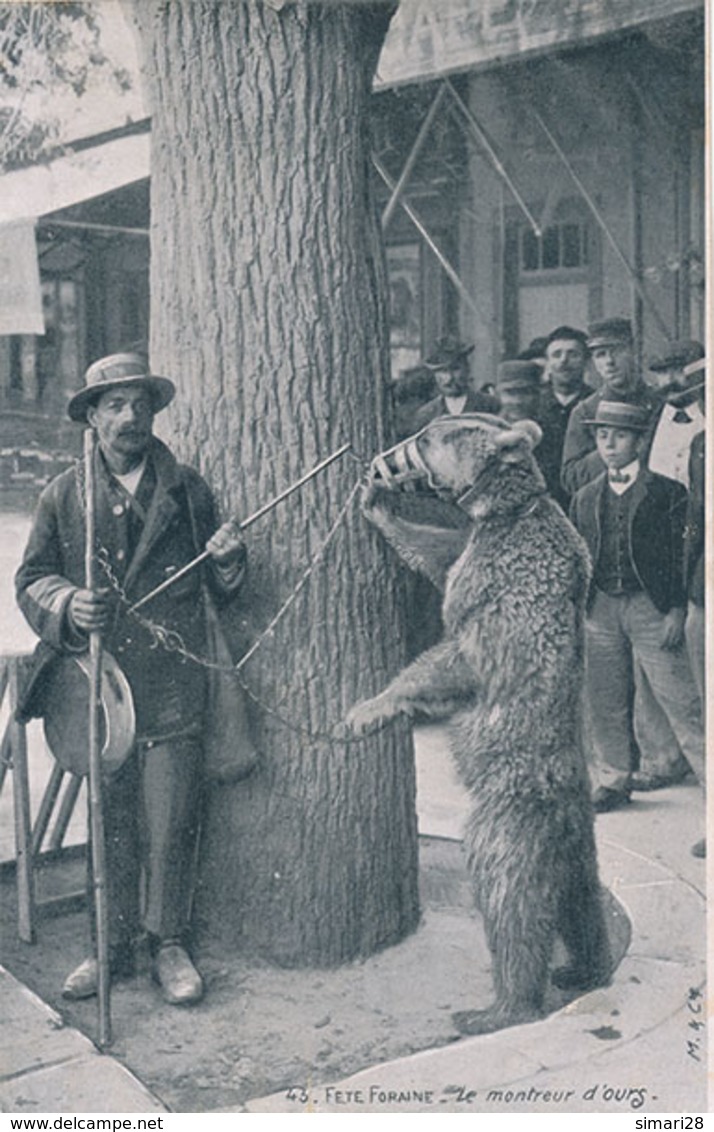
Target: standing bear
(508, 674)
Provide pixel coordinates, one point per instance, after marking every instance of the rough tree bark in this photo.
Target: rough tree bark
(268, 309)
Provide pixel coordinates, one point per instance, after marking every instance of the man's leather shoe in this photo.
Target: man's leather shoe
(180, 982)
(605, 799)
(83, 981)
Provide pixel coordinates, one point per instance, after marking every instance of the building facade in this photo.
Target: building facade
(581, 128)
(535, 163)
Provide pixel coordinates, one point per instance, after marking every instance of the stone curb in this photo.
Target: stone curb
(46, 1066)
(622, 1048)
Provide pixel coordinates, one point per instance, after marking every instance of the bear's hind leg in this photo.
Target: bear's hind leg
(519, 919)
(581, 924)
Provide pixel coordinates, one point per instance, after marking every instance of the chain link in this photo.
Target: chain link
(171, 640)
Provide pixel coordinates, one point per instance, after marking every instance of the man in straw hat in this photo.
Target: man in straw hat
(152, 517)
(633, 523)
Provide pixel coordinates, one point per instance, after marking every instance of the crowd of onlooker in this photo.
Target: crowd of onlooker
(622, 452)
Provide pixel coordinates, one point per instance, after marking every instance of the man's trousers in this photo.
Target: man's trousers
(621, 631)
(151, 815)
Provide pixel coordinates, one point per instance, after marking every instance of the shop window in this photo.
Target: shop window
(561, 246)
(551, 279)
(405, 306)
(127, 314)
(40, 368)
(421, 307)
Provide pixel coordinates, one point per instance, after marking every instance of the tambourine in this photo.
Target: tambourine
(66, 714)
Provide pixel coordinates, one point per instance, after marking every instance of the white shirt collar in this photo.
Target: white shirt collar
(631, 471)
(130, 481)
(565, 398)
(455, 405)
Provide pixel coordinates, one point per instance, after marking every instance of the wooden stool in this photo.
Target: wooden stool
(28, 839)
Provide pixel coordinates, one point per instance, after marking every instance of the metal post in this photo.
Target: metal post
(498, 165)
(424, 233)
(636, 282)
(411, 160)
(87, 226)
(635, 207)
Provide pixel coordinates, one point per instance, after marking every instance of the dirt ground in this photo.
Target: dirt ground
(260, 1029)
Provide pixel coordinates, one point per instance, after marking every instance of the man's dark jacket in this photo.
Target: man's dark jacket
(694, 541)
(141, 551)
(553, 419)
(476, 402)
(655, 533)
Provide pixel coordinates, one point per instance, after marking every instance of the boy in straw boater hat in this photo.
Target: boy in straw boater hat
(633, 523)
(153, 516)
(611, 347)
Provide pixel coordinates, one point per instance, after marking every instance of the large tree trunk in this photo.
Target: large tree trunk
(268, 309)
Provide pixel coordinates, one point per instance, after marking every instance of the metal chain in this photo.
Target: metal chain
(171, 640)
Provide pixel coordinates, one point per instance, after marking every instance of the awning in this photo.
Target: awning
(431, 38)
(41, 189)
(20, 293)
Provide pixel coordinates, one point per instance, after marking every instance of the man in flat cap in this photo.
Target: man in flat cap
(153, 516)
(681, 417)
(566, 356)
(450, 367)
(669, 364)
(633, 523)
(518, 385)
(612, 351)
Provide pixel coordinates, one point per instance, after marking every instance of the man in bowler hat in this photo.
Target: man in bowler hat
(450, 367)
(153, 516)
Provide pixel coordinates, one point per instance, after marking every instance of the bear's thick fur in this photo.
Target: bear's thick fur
(508, 673)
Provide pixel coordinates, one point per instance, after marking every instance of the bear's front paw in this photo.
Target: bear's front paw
(360, 717)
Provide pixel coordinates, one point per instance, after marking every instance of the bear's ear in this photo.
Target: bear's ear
(522, 434)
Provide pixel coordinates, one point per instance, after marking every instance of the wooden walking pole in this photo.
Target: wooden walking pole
(96, 816)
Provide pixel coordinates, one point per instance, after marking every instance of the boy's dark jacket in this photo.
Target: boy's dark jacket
(655, 533)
